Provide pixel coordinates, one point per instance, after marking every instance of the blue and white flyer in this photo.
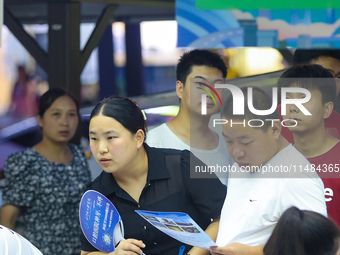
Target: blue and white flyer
(179, 226)
(100, 221)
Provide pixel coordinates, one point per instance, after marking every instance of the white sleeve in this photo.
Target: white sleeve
(152, 137)
(305, 194)
(11, 243)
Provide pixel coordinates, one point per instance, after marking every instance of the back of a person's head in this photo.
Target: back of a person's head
(199, 58)
(310, 77)
(303, 233)
(260, 101)
(302, 57)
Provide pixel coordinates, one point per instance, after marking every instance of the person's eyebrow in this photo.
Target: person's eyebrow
(219, 79)
(105, 133)
(243, 137)
(199, 77)
(203, 78)
(240, 137)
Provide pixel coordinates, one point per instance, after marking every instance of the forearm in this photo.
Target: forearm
(256, 250)
(237, 249)
(211, 231)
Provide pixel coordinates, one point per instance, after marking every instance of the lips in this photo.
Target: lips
(293, 121)
(242, 164)
(105, 161)
(64, 132)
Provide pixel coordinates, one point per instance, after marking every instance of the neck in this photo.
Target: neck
(191, 124)
(136, 171)
(52, 147)
(313, 144)
(282, 143)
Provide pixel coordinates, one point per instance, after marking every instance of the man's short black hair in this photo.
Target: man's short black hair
(261, 101)
(310, 77)
(307, 56)
(199, 58)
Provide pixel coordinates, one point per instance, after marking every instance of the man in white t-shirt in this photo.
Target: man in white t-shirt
(269, 176)
(197, 72)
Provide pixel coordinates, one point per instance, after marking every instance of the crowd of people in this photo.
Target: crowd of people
(247, 211)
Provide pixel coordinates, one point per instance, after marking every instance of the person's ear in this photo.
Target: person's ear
(275, 128)
(140, 137)
(40, 121)
(179, 89)
(327, 109)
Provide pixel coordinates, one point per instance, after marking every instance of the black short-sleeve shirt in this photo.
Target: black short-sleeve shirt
(202, 199)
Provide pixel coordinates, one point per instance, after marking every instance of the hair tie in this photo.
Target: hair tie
(144, 116)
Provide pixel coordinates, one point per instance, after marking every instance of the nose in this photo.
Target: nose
(238, 152)
(103, 148)
(293, 108)
(64, 120)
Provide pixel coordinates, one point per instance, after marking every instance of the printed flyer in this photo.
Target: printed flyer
(179, 226)
(100, 221)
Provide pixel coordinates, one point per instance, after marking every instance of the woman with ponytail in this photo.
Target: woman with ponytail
(303, 233)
